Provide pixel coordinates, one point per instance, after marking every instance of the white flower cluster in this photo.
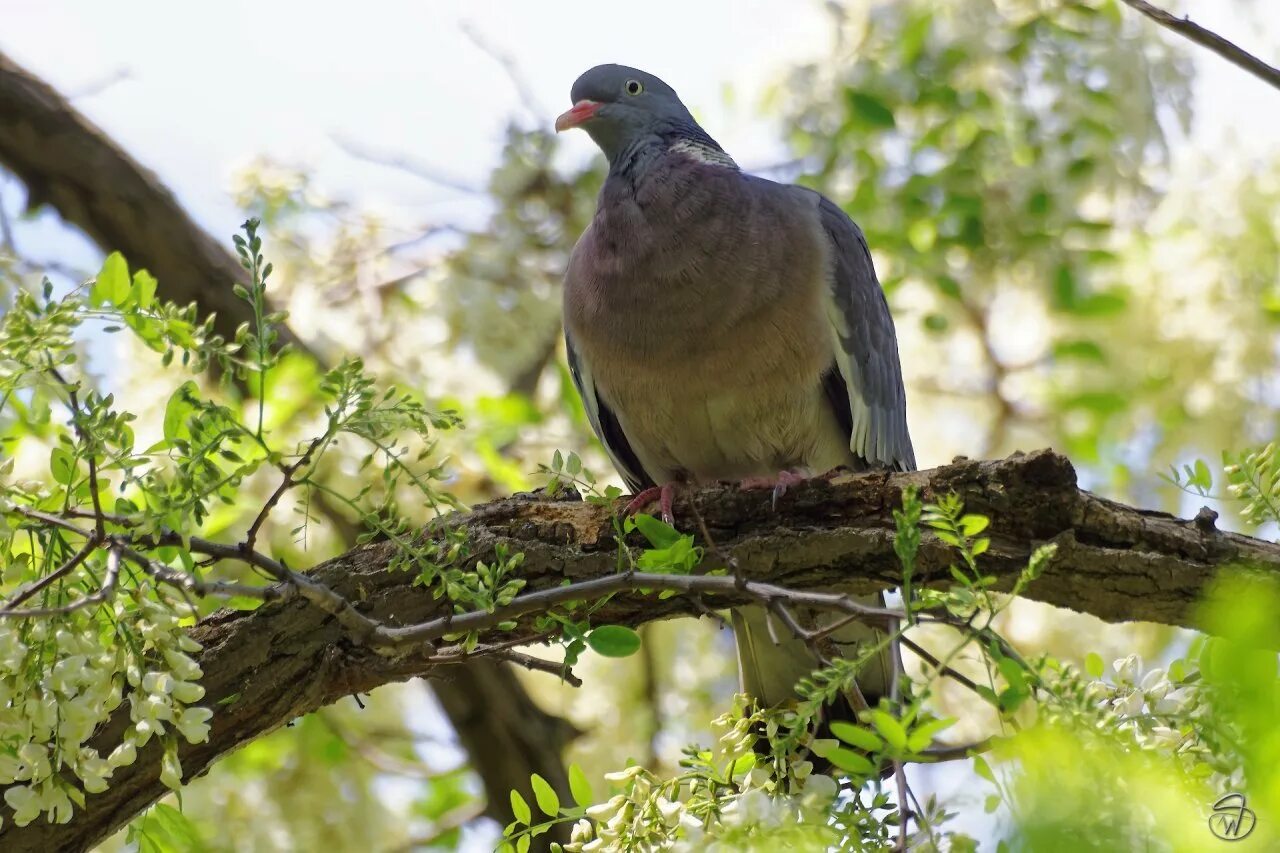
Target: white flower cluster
(61, 677)
(1136, 691)
(688, 813)
(1165, 713)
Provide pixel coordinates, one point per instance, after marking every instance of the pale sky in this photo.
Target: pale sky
(210, 85)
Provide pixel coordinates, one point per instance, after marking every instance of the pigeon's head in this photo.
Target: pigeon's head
(620, 106)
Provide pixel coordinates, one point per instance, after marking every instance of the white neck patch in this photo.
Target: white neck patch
(703, 153)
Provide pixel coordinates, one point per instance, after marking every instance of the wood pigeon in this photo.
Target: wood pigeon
(721, 326)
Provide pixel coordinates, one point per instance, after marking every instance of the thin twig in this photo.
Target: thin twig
(188, 583)
(286, 483)
(446, 823)
(479, 620)
(405, 164)
(372, 632)
(104, 592)
(537, 664)
(955, 753)
(728, 559)
(99, 521)
(364, 744)
(1229, 51)
(62, 571)
(939, 666)
(899, 775)
(527, 98)
(707, 611)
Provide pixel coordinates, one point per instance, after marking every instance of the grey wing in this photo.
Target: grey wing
(605, 423)
(866, 347)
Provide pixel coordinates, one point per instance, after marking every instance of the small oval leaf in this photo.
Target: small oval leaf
(922, 735)
(857, 736)
(521, 809)
(545, 795)
(890, 729)
(614, 641)
(851, 762)
(580, 787)
(62, 465)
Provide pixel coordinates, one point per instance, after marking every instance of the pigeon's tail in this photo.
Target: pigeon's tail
(769, 670)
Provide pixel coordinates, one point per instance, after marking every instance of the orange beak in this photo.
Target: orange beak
(577, 115)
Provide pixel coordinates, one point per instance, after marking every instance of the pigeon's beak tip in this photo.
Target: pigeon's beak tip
(577, 115)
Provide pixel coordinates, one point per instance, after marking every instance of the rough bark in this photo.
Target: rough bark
(67, 162)
(288, 658)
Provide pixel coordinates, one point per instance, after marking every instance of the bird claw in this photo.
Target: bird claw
(665, 495)
(779, 484)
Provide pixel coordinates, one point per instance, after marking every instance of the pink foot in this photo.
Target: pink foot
(779, 484)
(665, 495)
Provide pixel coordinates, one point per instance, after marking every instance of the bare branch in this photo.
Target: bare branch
(1229, 51)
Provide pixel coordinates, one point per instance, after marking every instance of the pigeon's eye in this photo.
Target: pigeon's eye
(633, 87)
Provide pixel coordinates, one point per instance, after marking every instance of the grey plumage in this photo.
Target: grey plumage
(723, 326)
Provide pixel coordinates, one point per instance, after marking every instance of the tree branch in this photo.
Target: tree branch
(1211, 40)
(826, 538)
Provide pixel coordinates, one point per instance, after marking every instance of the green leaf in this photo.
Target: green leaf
(659, 533)
(546, 796)
(857, 736)
(1101, 304)
(520, 808)
(983, 769)
(580, 786)
(890, 729)
(614, 641)
(1012, 672)
(62, 465)
(991, 803)
(922, 735)
(1093, 664)
(850, 761)
(1203, 477)
(177, 824)
(869, 110)
(1084, 350)
(144, 288)
(112, 283)
(972, 525)
(178, 410)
